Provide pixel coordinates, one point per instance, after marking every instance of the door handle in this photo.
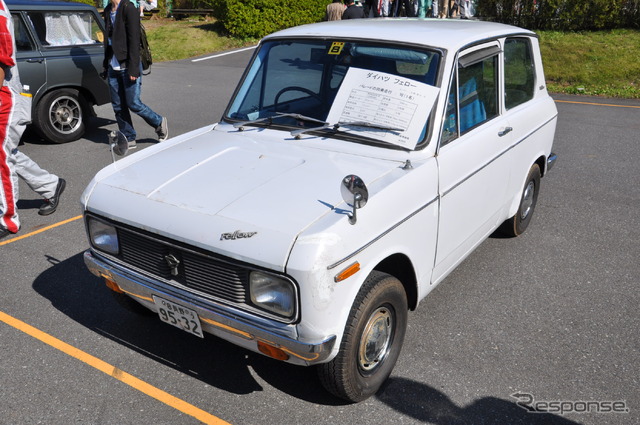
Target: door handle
(40, 60)
(505, 131)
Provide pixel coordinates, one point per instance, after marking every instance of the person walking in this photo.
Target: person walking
(15, 114)
(147, 6)
(124, 70)
(352, 11)
(408, 7)
(334, 12)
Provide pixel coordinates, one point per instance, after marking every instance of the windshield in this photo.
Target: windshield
(359, 91)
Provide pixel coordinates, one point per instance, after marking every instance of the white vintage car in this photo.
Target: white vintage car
(357, 164)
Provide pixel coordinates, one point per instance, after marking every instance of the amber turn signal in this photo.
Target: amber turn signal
(272, 351)
(348, 272)
(113, 286)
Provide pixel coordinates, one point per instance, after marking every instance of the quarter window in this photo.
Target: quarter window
(519, 72)
(66, 28)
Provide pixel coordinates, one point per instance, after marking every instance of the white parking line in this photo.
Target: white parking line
(224, 54)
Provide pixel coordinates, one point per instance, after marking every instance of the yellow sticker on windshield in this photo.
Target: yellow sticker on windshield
(336, 47)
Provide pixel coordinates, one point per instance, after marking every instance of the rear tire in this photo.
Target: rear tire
(60, 115)
(372, 340)
(517, 224)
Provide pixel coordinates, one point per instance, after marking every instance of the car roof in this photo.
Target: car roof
(45, 4)
(450, 34)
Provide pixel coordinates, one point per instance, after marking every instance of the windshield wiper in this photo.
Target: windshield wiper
(369, 125)
(335, 127)
(241, 125)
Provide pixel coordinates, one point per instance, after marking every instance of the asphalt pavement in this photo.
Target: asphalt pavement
(549, 317)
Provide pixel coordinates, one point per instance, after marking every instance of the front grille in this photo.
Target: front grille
(203, 273)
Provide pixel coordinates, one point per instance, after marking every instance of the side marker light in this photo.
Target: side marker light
(348, 272)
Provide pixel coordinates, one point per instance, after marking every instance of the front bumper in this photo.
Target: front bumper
(232, 325)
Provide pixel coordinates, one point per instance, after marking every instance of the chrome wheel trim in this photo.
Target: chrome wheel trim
(376, 339)
(527, 199)
(65, 115)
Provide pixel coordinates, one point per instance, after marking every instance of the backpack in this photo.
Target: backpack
(145, 51)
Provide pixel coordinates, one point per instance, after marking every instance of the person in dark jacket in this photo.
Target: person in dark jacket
(352, 11)
(123, 69)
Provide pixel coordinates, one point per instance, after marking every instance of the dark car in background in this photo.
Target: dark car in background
(59, 49)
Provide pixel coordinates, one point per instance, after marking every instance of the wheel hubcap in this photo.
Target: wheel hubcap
(65, 115)
(527, 199)
(376, 339)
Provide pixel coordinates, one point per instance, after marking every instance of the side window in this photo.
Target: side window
(473, 98)
(21, 35)
(519, 72)
(66, 28)
(477, 93)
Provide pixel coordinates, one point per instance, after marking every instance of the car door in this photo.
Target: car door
(71, 43)
(31, 63)
(474, 175)
(530, 111)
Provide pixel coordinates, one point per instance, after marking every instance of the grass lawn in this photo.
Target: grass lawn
(603, 63)
(173, 40)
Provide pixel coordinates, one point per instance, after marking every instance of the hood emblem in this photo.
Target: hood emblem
(236, 235)
(173, 264)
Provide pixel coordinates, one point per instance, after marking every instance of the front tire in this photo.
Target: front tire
(517, 224)
(372, 340)
(60, 116)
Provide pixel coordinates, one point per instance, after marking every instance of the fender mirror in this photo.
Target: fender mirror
(355, 193)
(118, 144)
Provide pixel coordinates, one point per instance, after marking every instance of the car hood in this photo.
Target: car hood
(229, 192)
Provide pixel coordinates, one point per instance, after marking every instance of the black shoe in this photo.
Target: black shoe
(5, 232)
(50, 205)
(162, 130)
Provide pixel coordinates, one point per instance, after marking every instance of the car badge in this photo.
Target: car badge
(173, 264)
(236, 235)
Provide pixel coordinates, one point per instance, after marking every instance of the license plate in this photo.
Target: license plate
(179, 316)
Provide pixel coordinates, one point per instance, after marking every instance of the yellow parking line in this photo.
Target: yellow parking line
(35, 232)
(113, 371)
(597, 104)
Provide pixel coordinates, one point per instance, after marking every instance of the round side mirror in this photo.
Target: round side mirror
(118, 143)
(354, 191)
(355, 194)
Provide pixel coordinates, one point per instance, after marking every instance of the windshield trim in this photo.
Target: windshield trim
(421, 144)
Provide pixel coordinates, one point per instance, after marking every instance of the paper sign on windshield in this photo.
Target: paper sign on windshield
(383, 100)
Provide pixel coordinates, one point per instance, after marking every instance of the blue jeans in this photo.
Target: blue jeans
(125, 97)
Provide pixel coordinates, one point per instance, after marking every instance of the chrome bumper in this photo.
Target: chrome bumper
(551, 161)
(216, 319)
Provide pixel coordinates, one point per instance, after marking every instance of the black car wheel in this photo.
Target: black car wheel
(517, 224)
(60, 116)
(372, 340)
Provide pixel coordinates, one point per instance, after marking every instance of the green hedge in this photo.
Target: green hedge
(563, 15)
(91, 2)
(257, 18)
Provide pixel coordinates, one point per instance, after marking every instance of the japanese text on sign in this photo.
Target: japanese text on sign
(384, 100)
